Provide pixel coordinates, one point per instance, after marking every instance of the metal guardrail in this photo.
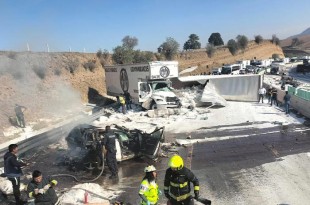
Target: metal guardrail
(49, 136)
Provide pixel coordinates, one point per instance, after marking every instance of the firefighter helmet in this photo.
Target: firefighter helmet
(149, 168)
(176, 162)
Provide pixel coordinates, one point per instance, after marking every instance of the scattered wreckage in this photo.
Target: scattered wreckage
(130, 143)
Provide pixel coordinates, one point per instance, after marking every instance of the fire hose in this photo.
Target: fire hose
(79, 180)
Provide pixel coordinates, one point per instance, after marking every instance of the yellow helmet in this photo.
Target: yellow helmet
(176, 162)
(149, 168)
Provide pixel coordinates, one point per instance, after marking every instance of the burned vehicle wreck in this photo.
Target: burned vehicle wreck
(85, 145)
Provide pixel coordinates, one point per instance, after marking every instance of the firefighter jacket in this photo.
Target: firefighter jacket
(150, 191)
(177, 183)
(45, 193)
(121, 100)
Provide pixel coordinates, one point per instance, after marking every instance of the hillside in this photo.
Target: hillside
(302, 49)
(223, 56)
(52, 84)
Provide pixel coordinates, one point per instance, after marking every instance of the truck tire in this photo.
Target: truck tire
(153, 106)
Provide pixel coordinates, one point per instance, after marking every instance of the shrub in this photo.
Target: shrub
(275, 56)
(12, 55)
(39, 71)
(57, 72)
(275, 40)
(258, 39)
(90, 65)
(232, 46)
(72, 66)
(17, 75)
(210, 50)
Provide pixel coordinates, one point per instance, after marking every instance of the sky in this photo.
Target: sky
(90, 25)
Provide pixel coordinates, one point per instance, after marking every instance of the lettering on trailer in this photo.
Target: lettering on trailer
(164, 71)
(140, 69)
(111, 69)
(135, 91)
(123, 78)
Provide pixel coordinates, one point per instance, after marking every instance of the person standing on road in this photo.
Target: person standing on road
(274, 97)
(149, 191)
(109, 144)
(13, 171)
(19, 111)
(128, 100)
(122, 101)
(177, 183)
(269, 94)
(261, 93)
(287, 102)
(41, 188)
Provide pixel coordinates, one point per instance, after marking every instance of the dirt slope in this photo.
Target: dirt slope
(223, 56)
(51, 84)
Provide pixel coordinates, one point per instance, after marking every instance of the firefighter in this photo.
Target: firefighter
(177, 183)
(109, 144)
(19, 111)
(42, 189)
(122, 101)
(149, 191)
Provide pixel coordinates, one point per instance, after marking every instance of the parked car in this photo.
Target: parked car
(250, 69)
(129, 143)
(242, 71)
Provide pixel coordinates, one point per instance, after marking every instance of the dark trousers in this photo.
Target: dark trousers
(274, 100)
(287, 107)
(128, 105)
(261, 96)
(16, 185)
(49, 198)
(20, 120)
(112, 163)
(123, 108)
(188, 201)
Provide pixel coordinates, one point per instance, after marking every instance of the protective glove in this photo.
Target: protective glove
(196, 192)
(53, 182)
(36, 191)
(159, 192)
(41, 191)
(46, 187)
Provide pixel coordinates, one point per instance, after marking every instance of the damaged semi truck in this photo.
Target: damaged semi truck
(147, 83)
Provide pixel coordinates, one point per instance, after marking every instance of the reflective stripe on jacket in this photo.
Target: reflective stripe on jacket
(150, 191)
(178, 183)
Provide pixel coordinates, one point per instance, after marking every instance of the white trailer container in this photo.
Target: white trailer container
(243, 63)
(147, 83)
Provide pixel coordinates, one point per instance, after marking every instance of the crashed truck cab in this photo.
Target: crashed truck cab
(157, 95)
(130, 143)
(147, 83)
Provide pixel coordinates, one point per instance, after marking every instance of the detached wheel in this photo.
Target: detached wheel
(153, 105)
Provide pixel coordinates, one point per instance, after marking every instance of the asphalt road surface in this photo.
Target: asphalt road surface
(271, 166)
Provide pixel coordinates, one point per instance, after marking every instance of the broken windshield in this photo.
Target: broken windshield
(161, 87)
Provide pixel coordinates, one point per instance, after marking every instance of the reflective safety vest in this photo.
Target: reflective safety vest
(122, 100)
(150, 191)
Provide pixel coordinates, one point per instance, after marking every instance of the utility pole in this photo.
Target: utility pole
(48, 48)
(84, 50)
(28, 49)
(70, 49)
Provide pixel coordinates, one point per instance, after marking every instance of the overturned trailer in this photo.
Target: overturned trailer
(229, 87)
